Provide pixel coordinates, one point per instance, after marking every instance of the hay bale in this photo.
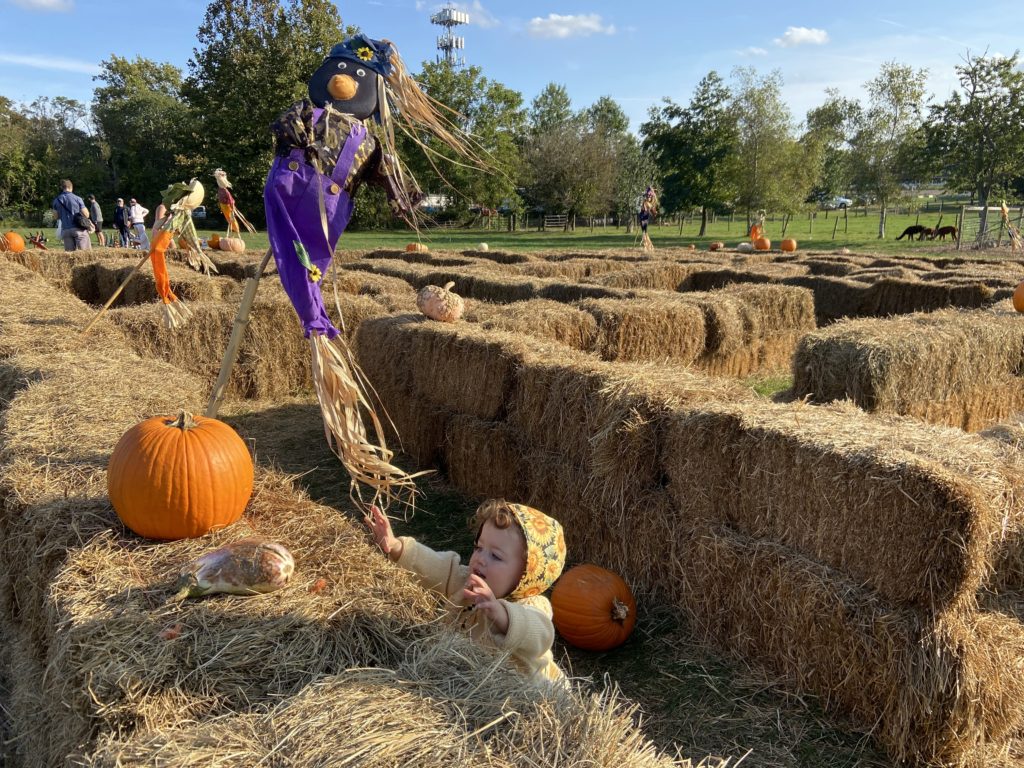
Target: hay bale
(570, 269)
(273, 359)
(188, 285)
(58, 266)
(891, 296)
(717, 277)
(949, 367)
(834, 297)
(541, 318)
(433, 710)
(915, 512)
(459, 365)
(240, 266)
(664, 276)
(931, 692)
(652, 329)
(484, 458)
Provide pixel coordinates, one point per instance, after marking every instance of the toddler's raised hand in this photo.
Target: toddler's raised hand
(380, 527)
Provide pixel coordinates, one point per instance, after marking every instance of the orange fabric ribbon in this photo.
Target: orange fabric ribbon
(156, 256)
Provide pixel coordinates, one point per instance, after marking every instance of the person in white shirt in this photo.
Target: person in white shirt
(138, 216)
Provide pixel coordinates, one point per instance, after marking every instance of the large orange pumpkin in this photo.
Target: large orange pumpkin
(762, 244)
(214, 242)
(13, 242)
(179, 477)
(1018, 298)
(593, 608)
(788, 245)
(232, 244)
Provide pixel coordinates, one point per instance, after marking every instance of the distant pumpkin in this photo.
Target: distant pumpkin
(762, 244)
(416, 248)
(232, 244)
(716, 246)
(788, 245)
(214, 242)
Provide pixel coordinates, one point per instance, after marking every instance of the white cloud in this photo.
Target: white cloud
(46, 5)
(478, 15)
(50, 62)
(753, 50)
(561, 27)
(802, 36)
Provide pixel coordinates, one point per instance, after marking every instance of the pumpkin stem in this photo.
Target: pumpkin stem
(449, 285)
(185, 421)
(620, 611)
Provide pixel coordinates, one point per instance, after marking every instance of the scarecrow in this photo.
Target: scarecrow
(1016, 240)
(232, 215)
(648, 210)
(327, 147)
(180, 200)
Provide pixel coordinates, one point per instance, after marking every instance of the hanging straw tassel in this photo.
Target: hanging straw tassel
(340, 388)
(176, 314)
(646, 242)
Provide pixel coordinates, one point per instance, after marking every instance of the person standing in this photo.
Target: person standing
(96, 214)
(121, 222)
(138, 220)
(66, 205)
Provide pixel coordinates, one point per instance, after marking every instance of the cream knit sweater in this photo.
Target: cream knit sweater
(530, 631)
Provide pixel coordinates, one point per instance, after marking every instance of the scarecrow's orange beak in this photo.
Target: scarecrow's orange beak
(342, 87)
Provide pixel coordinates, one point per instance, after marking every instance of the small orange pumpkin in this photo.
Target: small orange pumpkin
(12, 241)
(788, 245)
(232, 244)
(716, 246)
(214, 242)
(762, 244)
(179, 477)
(1018, 298)
(417, 248)
(593, 608)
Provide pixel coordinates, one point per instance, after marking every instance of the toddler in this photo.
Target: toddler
(496, 598)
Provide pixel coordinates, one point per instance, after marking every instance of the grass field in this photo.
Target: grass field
(857, 230)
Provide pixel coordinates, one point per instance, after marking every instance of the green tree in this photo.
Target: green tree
(495, 118)
(827, 130)
(550, 109)
(694, 148)
(978, 134)
(879, 146)
(61, 146)
(142, 122)
(769, 170)
(253, 60)
(18, 193)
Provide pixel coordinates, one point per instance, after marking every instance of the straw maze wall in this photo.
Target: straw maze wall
(874, 561)
(104, 671)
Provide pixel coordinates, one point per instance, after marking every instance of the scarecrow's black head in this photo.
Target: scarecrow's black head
(349, 77)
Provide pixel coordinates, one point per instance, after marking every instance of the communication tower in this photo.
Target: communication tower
(448, 44)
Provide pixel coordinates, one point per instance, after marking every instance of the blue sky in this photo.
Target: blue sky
(637, 53)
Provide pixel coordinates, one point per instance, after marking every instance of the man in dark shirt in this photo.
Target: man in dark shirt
(121, 222)
(96, 214)
(66, 205)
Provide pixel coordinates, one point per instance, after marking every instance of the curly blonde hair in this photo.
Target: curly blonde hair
(498, 512)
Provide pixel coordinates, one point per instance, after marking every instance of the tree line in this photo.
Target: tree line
(734, 148)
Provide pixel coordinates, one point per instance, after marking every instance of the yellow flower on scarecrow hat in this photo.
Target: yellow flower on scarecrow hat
(364, 53)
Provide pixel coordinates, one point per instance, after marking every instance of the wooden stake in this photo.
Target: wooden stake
(116, 293)
(237, 331)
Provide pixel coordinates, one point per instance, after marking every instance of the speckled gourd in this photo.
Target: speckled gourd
(440, 303)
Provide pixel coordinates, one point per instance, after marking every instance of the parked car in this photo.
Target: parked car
(199, 212)
(837, 202)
